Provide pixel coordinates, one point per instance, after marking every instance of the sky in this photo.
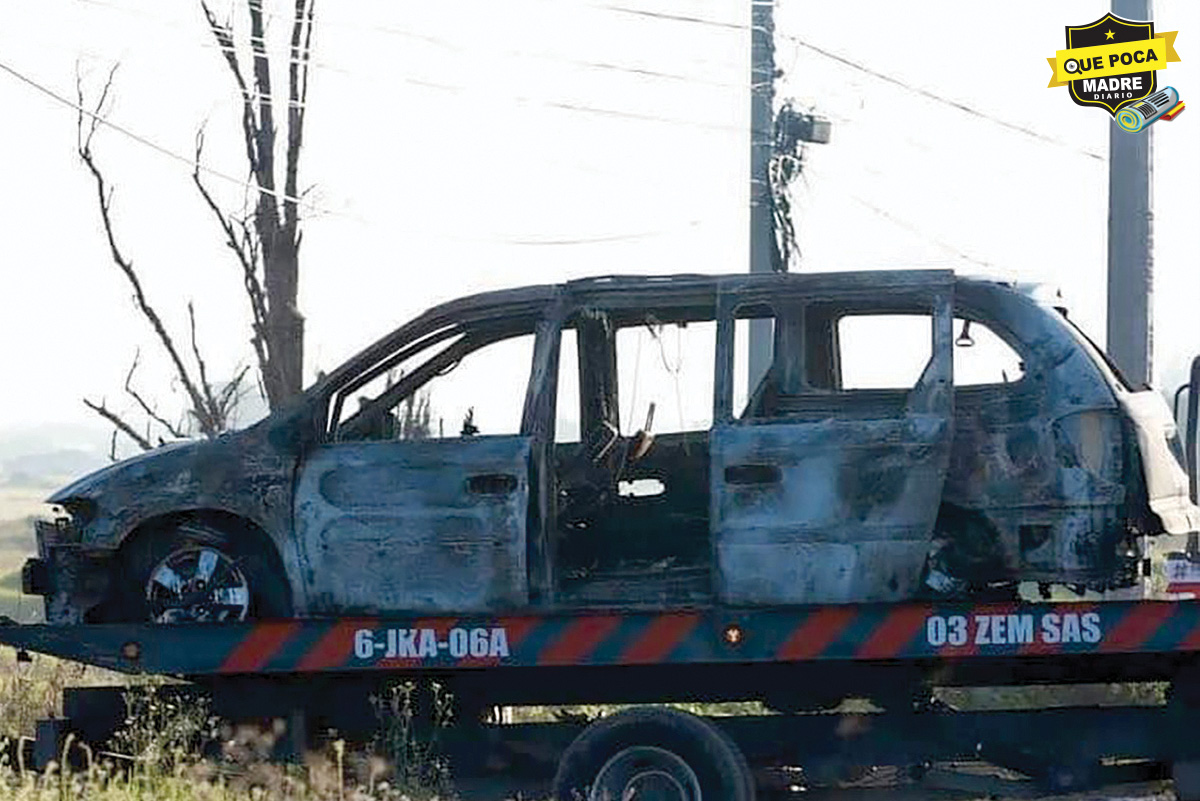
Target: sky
(459, 146)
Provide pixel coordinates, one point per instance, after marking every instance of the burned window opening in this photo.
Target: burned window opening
(379, 417)
(635, 548)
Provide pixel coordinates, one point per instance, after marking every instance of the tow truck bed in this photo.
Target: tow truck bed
(323, 671)
(870, 633)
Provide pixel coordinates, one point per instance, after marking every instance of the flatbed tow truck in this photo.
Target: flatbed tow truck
(318, 674)
(835, 608)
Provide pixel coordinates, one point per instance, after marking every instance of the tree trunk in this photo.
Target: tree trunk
(285, 324)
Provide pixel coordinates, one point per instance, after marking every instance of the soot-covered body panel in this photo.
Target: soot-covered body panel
(811, 489)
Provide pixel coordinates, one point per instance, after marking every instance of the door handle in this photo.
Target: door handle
(491, 484)
(752, 474)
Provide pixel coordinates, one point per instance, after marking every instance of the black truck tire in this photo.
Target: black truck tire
(645, 745)
(268, 590)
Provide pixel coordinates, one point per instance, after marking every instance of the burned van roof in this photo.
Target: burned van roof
(664, 287)
(661, 287)
(632, 291)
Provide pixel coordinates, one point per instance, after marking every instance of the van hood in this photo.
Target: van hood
(92, 482)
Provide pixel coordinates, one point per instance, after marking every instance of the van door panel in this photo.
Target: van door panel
(422, 525)
(846, 518)
(834, 500)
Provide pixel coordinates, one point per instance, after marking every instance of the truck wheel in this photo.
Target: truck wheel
(653, 753)
(193, 573)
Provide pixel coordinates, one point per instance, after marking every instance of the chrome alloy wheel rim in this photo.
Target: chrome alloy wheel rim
(646, 773)
(197, 585)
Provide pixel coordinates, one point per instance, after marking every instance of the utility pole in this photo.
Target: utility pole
(762, 115)
(1130, 216)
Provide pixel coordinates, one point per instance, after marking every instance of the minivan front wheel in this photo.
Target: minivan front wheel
(197, 585)
(193, 573)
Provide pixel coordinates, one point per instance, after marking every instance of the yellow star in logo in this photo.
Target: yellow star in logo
(1108, 34)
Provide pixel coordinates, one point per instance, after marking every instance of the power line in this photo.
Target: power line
(641, 12)
(647, 72)
(149, 143)
(146, 142)
(927, 94)
(913, 228)
(922, 92)
(439, 42)
(524, 100)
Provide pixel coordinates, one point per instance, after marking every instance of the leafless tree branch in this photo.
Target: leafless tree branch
(271, 236)
(118, 424)
(223, 33)
(265, 163)
(298, 65)
(146, 407)
(211, 408)
(264, 237)
(228, 399)
(243, 246)
(104, 198)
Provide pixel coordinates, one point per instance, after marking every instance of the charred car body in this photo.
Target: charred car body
(820, 485)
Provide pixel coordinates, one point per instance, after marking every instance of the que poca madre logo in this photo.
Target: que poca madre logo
(1113, 63)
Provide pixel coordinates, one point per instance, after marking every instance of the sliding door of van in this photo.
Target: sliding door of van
(827, 469)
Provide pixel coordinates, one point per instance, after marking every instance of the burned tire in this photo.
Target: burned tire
(653, 752)
(190, 572)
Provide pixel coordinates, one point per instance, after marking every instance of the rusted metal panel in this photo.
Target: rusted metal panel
(833, 502)
(846, 518)
(1042, 462)
(244, 475)
(537, 421)
(427, 526)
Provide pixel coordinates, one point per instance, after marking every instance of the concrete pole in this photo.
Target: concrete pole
(1130, 237)
(762, 113)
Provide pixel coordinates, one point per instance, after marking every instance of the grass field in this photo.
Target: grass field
(18, 507)
(157, 754)
(16, 545)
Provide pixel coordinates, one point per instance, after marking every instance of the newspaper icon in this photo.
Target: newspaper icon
(1164, 104)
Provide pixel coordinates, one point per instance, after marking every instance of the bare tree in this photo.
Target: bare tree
(264, 236)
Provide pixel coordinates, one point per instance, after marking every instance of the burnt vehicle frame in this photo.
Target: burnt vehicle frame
(811, 494)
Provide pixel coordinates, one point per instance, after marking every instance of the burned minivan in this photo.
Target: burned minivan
(622, 442)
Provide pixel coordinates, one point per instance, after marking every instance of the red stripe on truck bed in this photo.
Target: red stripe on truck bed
(659, 638)
(259, 646)
(896, 631)
(816, 633)
(1139, 625)
(578, 640)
